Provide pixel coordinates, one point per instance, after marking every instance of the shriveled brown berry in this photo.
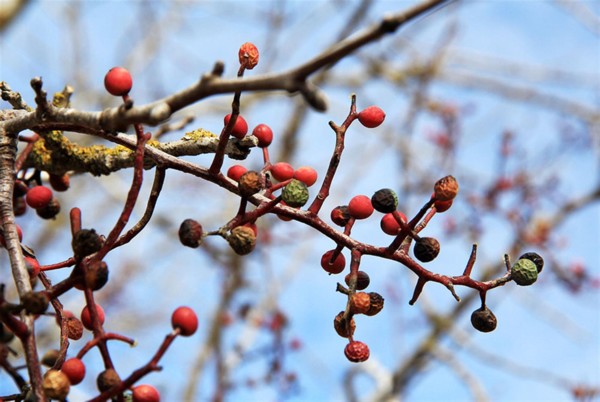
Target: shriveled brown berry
(86, 242)
(342, 326)
(426, 249)
(376, 304)
(250, 183)
(385, 200)
(35, 302)
(362, 280)
(96, 275)
(340, 215)
(360, 303)
(483, 319)
(50, 210)
(535, 258)
(295, 194)
(56, 385)
(74, 328)
(446, 188)
(107, 379)
(190, 233)
(60, 182)
(242, 240)
(357, 351)
(50, 357)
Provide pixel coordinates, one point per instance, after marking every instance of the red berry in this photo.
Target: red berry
(340, 215)
(33, 266)
(38, 197)
(264, 134)
(145, 393)
(74, 369)
(235, 172)
(357, 351)
(360, 207)
(362, 280)
(186, 320)
(86, 316)
(371, 117)
(248, 55)
(336, 266)
(118, 81)
(19, 233)
(282, 171)
(390, 225)
(240, 128)
(306, 174)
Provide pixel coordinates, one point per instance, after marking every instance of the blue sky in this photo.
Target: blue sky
(544, 327)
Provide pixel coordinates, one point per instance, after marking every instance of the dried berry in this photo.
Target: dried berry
(371, 117)
(306, 174)
(35, 302)
(360, 207)
(145, 393)
(426, 249)
(385, 200)
(340, 215)
(185, 319)
(96, 275)
(536, 258)
(333, 267)
(240, 128)
(360, 303)
(250, 183)
(50, 357)
(190, 233)
(56, 385)
(362, 280)
(390, 225)
(74, 328)
(264, 134)
(342, 326)
(242, 240)
(483, 319)
(50, 210)
(74, 369)
(38, 196)
(524, 272)
(282, 171)
(445, 189)
(248, 55)
(295, 194)
(357, 351)
(376, 303)
(107, 379)
(19, 206)
(442, 206)
(86, 242)
(118, 81)
(60, 182)
(235, 172)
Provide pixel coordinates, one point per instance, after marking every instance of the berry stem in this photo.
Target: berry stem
(340, 132)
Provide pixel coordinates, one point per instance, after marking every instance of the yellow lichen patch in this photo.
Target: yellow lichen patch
(198, 134)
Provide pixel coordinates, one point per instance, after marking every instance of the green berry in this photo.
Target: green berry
(524, 272)
(536, 258)
(295, 194)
